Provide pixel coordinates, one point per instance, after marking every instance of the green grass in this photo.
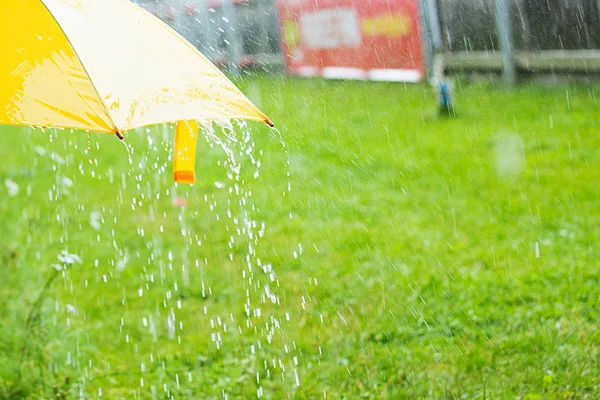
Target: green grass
(441, 257)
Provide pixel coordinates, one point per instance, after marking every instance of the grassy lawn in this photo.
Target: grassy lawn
(414, 257)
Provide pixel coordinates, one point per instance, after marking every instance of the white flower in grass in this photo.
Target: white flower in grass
(12, 187)
(96, 220)
(71, 309)
(66, 260)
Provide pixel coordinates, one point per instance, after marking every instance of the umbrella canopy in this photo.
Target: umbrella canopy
(108, 66)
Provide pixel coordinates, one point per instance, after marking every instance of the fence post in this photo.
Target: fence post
(504, 31)
(598, 9)
(279, 37)
(234, 49)
(432, 40)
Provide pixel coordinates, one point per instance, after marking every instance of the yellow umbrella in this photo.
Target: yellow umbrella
(109, 66)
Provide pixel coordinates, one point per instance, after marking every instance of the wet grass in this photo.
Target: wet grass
(440, 257)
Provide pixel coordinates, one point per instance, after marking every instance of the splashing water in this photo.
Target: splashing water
(195, 264)
(260, 282)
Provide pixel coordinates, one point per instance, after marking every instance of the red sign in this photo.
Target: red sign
(353, 39)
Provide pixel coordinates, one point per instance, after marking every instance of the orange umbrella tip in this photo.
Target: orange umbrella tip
(269, 122)
(187, 177)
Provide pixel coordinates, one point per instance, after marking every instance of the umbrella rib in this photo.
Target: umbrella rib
(116, 129)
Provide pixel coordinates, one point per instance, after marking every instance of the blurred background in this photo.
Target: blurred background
(421, 223)
(306, 37)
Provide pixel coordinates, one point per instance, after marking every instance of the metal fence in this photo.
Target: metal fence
(545, 35)
(469, 25)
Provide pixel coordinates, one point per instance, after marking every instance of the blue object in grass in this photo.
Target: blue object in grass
(445, 100)
(446, 106)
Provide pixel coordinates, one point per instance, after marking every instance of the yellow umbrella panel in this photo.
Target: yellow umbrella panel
(109, 66)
